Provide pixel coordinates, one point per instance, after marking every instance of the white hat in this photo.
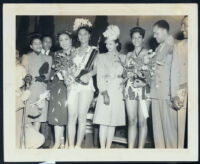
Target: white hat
(112, 32)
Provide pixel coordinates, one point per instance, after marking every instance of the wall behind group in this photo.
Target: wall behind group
(125, 23)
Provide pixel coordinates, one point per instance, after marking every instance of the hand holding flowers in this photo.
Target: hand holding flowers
(64, 65)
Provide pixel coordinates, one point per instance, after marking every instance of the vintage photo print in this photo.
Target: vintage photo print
(100, 82)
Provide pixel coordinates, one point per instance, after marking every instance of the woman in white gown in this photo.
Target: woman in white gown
(80, 96)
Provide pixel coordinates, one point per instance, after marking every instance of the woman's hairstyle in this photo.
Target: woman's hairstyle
(76, 41)
(63, 32)
(119, 46)
(140, 30)
(162, 24)
(87, 28)
(33, 37)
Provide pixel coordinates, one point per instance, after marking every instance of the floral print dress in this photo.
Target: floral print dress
(57, 114)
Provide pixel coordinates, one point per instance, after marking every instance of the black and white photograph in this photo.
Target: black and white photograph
(101, 83)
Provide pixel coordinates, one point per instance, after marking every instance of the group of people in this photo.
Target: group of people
(128, 85)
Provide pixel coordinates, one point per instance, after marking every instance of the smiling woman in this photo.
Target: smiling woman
(57, 113)
(70, 99)
(81, 95)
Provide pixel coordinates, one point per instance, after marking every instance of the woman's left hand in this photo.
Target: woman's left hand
(85, 78)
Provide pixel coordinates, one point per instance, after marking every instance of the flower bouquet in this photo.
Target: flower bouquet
(140, 71)
(64, 68)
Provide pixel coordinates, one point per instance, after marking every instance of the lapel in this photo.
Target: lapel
(51, 53)
(164, 50)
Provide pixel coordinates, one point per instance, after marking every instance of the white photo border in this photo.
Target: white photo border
(10, 11)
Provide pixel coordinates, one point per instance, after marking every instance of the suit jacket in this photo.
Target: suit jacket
(165, 83)
(51, 53)
(181, 49)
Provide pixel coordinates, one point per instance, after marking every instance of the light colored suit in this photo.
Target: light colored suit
(164, 86)
(181, 50)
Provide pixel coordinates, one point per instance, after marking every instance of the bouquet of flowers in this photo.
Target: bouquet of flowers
(65, 67)
(141, 71)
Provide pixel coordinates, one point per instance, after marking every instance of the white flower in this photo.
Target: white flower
(80, 22)
(112, 32)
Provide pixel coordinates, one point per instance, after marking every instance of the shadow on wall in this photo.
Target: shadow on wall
(42, 24)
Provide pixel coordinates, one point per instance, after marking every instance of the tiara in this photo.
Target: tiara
(112, 32)
(81, 22)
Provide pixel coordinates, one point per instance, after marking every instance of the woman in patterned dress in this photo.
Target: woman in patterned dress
(136, 92)
(57, 115)
(110, 107)
(80, 96)
(38, 66)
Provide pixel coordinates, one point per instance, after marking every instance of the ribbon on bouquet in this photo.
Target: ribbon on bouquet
(138, 92)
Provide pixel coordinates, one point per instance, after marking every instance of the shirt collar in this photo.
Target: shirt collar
(45, 52)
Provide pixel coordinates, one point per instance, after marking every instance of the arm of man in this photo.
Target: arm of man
(175, 77)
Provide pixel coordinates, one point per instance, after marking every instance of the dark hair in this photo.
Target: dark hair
(140, 30)
(162, 24)
(77, 43)
(186, 16)
(87, 28)
(64, 32)
(119, 46)
(34, 37)
(45, 36)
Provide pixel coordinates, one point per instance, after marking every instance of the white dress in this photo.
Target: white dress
(80, 61)
(109, 70)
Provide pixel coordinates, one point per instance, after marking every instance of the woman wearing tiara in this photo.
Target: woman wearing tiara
(80, 96)
(110, 108)
(57, 114)
(137, 91)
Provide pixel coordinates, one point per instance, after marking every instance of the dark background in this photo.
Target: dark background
(51, 25)
(72, 1)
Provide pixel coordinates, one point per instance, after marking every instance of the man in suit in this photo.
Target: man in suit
(164, 88)
(46, 129)
(46, 45)
(182, 52)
